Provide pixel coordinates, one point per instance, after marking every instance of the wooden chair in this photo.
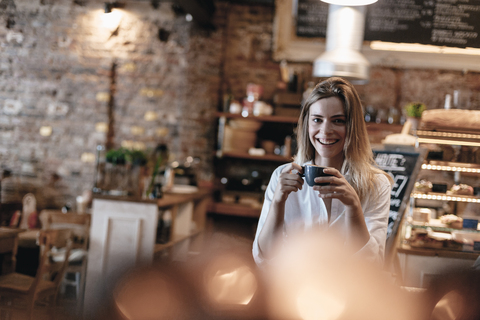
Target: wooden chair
(8, 248)
(20, 293)
(79, 224)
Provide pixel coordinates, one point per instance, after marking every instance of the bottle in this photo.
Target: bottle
(157, 164)
(370, 114)
(169, 178)
(163, 233)
(288, 147)
(67, 207)
(448, 100)
(227, 99)
(393, 116)
(308, 91)
(293, 82)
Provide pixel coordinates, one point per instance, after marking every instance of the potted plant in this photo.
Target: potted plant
(116, 156)
(414, 113)
(136, 158)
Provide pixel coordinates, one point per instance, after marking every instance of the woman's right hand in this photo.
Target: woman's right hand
(288, 182)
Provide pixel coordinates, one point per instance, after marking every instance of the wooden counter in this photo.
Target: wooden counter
(431, 252)
(172, 199)
(124, 231)
(189, 212)
(418, 266)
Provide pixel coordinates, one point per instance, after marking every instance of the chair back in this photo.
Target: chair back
(52, 242)
(79, 224)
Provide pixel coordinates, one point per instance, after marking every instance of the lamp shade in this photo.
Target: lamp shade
(350, 2)
(342, 56)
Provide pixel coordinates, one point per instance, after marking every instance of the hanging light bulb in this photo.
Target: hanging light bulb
(350, 2)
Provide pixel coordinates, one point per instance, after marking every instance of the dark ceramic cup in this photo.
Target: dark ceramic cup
(310, 172)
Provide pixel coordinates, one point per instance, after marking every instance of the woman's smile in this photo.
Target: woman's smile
(327, 142)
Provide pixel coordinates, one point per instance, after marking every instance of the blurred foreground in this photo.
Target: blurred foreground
(312, 277)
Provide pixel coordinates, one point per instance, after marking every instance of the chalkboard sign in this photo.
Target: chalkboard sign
(453, 23)
(402, 164)
(312, 18)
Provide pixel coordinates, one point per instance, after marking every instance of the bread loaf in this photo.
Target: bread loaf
(452, 118)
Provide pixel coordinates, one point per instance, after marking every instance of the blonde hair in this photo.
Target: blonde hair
(359, 162)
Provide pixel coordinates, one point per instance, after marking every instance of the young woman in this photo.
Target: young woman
(331, 133)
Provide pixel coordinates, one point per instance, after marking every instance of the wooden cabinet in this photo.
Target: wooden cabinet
(123, 235)
(419, 266)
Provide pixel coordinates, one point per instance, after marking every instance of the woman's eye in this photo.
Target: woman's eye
(316, 120)
(340, 121)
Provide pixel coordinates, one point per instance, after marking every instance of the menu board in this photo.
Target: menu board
(312, 18)
(453, 23)
(403, 166)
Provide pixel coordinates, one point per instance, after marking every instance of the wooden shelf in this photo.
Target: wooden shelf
(234, 209)
(240, 155)
(445, 197)
(172, 199)
(281, 119)
(449, 136)
(432, 252)
(452, 166)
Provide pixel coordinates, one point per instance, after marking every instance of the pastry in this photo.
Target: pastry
(423, 186)
(452, 221)
(461, 189)
(420, 238)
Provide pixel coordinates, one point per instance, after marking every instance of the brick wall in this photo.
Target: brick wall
(55, 72)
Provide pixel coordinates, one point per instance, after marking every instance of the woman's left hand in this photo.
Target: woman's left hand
(339, 188)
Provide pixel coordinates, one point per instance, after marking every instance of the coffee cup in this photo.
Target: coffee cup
(311, 171)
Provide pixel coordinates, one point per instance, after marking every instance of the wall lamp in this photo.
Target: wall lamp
(115, 4)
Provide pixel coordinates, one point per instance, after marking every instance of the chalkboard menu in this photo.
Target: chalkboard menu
(403, 167)
(312, 18)
(453, 23)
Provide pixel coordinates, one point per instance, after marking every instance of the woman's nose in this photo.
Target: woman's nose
(326, 127)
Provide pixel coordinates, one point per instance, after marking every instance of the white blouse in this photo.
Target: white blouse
(305, 209)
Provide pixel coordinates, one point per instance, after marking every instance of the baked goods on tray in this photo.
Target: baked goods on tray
(426, 238)
(451, 118)
(452, 221)
(461, 189)
(423, 186)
